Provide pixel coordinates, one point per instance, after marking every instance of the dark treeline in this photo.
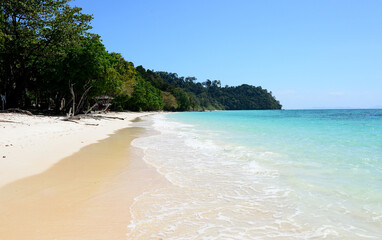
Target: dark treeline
(49, 61)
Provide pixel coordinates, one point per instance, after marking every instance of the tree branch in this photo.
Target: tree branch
(80, 103)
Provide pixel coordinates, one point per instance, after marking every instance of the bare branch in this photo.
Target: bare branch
(80, 103)
(73, 98)
(90, 109)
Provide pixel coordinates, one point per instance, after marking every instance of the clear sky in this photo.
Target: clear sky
(309, 53)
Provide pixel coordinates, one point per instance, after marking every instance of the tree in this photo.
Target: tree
(169, 101)
(85, 69)
(183, 100)
(33, 30)
(49, 60)
(210, 95)
(145, 97)
(207, 83)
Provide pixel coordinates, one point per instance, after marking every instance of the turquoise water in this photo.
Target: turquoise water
(337, 148)
(288, 174)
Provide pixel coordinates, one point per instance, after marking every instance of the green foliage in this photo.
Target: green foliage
(145, 97)
(210, 95)
(170, 103)
(183, 100)
(85, 66)
(46, 52)
(125, 72)
(33, 30)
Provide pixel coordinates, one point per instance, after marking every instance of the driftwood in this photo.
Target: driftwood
(81, 102)
(91, 108)
(73, 99)
(92, 124)
(72, 118)
(76, 119)
(119, 118)
(99, 117)
(6, 121)
(76, 108)
(69, 115)
(62, 104)
(16, 110)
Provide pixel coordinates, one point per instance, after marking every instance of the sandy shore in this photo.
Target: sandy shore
(31, 144)
(50, 189)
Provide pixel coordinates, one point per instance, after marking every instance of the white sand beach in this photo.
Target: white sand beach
(66, 180)
(32, 144)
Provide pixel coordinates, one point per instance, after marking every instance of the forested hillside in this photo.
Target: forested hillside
(49, 61)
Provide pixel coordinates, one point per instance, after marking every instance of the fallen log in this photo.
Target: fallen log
(10, 121)
(16, 110)
(119, 118)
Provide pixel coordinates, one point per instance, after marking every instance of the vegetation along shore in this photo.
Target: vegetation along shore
(50, 61)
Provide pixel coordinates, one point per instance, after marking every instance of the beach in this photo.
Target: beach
(193, 175)
(290, 174)
(66, 180)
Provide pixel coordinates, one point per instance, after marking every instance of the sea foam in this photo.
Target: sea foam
(230, 184)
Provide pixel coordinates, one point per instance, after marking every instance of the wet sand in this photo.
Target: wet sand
(84, 196)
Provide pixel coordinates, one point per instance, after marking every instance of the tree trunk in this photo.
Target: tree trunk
(73, 98)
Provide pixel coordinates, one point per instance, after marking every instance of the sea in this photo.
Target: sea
(272, 174)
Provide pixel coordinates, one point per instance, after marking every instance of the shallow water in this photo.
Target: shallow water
(295, 174)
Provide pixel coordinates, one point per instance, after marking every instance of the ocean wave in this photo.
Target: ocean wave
(223, 190)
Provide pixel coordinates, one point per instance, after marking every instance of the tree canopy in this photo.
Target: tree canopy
(49, 61)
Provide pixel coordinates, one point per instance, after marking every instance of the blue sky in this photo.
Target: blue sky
(310, 54)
